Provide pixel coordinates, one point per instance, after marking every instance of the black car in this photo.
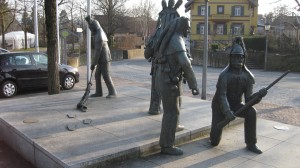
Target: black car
(29, 70)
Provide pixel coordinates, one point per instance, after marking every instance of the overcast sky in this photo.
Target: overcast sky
(265, 6)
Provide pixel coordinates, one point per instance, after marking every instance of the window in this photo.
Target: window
(220, 29)
(201, 10)
(200, 28)
(40, 59)
(22, 60)
(237, 11)
(220, 9)
(237, 29)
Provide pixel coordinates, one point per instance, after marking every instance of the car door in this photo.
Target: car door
(41, 62)
(24, 70)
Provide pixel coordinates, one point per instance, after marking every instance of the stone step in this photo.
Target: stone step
(251, 64)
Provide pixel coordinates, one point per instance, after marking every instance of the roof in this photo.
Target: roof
(18, 35)
(126, 24)
(188, 5)
(253, 3)
(292, 21)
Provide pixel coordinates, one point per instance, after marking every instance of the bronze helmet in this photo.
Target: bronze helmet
(237, 49)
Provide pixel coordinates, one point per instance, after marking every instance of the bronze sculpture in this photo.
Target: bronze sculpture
(234, 82)
(102, 59)
(171, 65)
(168, 13)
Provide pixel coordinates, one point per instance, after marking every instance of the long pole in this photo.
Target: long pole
(88, 45)
(205, 53)
(36, 32)
(266, 51)
(57, 27)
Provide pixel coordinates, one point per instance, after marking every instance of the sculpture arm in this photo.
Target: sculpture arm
(97, 52)
(187, 70)
(222, 91)
(248, 94)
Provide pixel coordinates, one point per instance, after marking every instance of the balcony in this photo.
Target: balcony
(220, 17)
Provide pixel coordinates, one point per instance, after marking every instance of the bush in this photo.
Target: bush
(255, 43)
(214, 47)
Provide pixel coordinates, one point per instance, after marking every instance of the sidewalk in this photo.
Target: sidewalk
(281, 149)
(122, 129)
(39, 127)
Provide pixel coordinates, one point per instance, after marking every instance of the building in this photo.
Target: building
(261, 21)
(287, 26)
(227, 18)
(129, 32)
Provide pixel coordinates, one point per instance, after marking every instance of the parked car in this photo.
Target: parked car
(29, 70)
(2, 50)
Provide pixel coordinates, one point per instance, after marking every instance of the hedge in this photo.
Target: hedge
(255, 43)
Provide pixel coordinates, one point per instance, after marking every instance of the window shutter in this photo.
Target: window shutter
(232, 11)
(208, 29)
(208, 10)
(243, 27)
(199, 10)
(215, 29)
(198, 28)
(225, 29)
(242, 12)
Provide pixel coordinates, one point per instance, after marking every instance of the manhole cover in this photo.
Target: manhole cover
(30, 120)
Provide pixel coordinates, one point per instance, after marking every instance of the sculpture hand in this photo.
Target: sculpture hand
(92, 67)
(263, 92)
(195, 91)
(230, 116)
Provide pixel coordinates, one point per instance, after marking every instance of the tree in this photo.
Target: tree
(113, 10)
(71, 6)
(64, 22)
(144, 12)
(26, 19)
(53, 73)
(285, 29)
(7, 17)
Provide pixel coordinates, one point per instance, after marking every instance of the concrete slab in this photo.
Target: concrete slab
(118, 128)
(230, 153)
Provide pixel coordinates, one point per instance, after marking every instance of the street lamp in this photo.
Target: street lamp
(267, 28)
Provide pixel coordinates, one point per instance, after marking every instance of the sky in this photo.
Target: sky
(265, 6)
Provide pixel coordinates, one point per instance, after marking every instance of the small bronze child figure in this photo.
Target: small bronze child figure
(102, 59)
(234, 82)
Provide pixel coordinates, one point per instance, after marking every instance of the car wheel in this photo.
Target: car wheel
(8, 89)
(68, 82)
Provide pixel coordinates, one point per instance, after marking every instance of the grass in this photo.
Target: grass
(42, 49)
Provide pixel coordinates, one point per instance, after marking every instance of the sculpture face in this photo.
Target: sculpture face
(186, 30)
(184, 26)
(237, 60)
(92, 26)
